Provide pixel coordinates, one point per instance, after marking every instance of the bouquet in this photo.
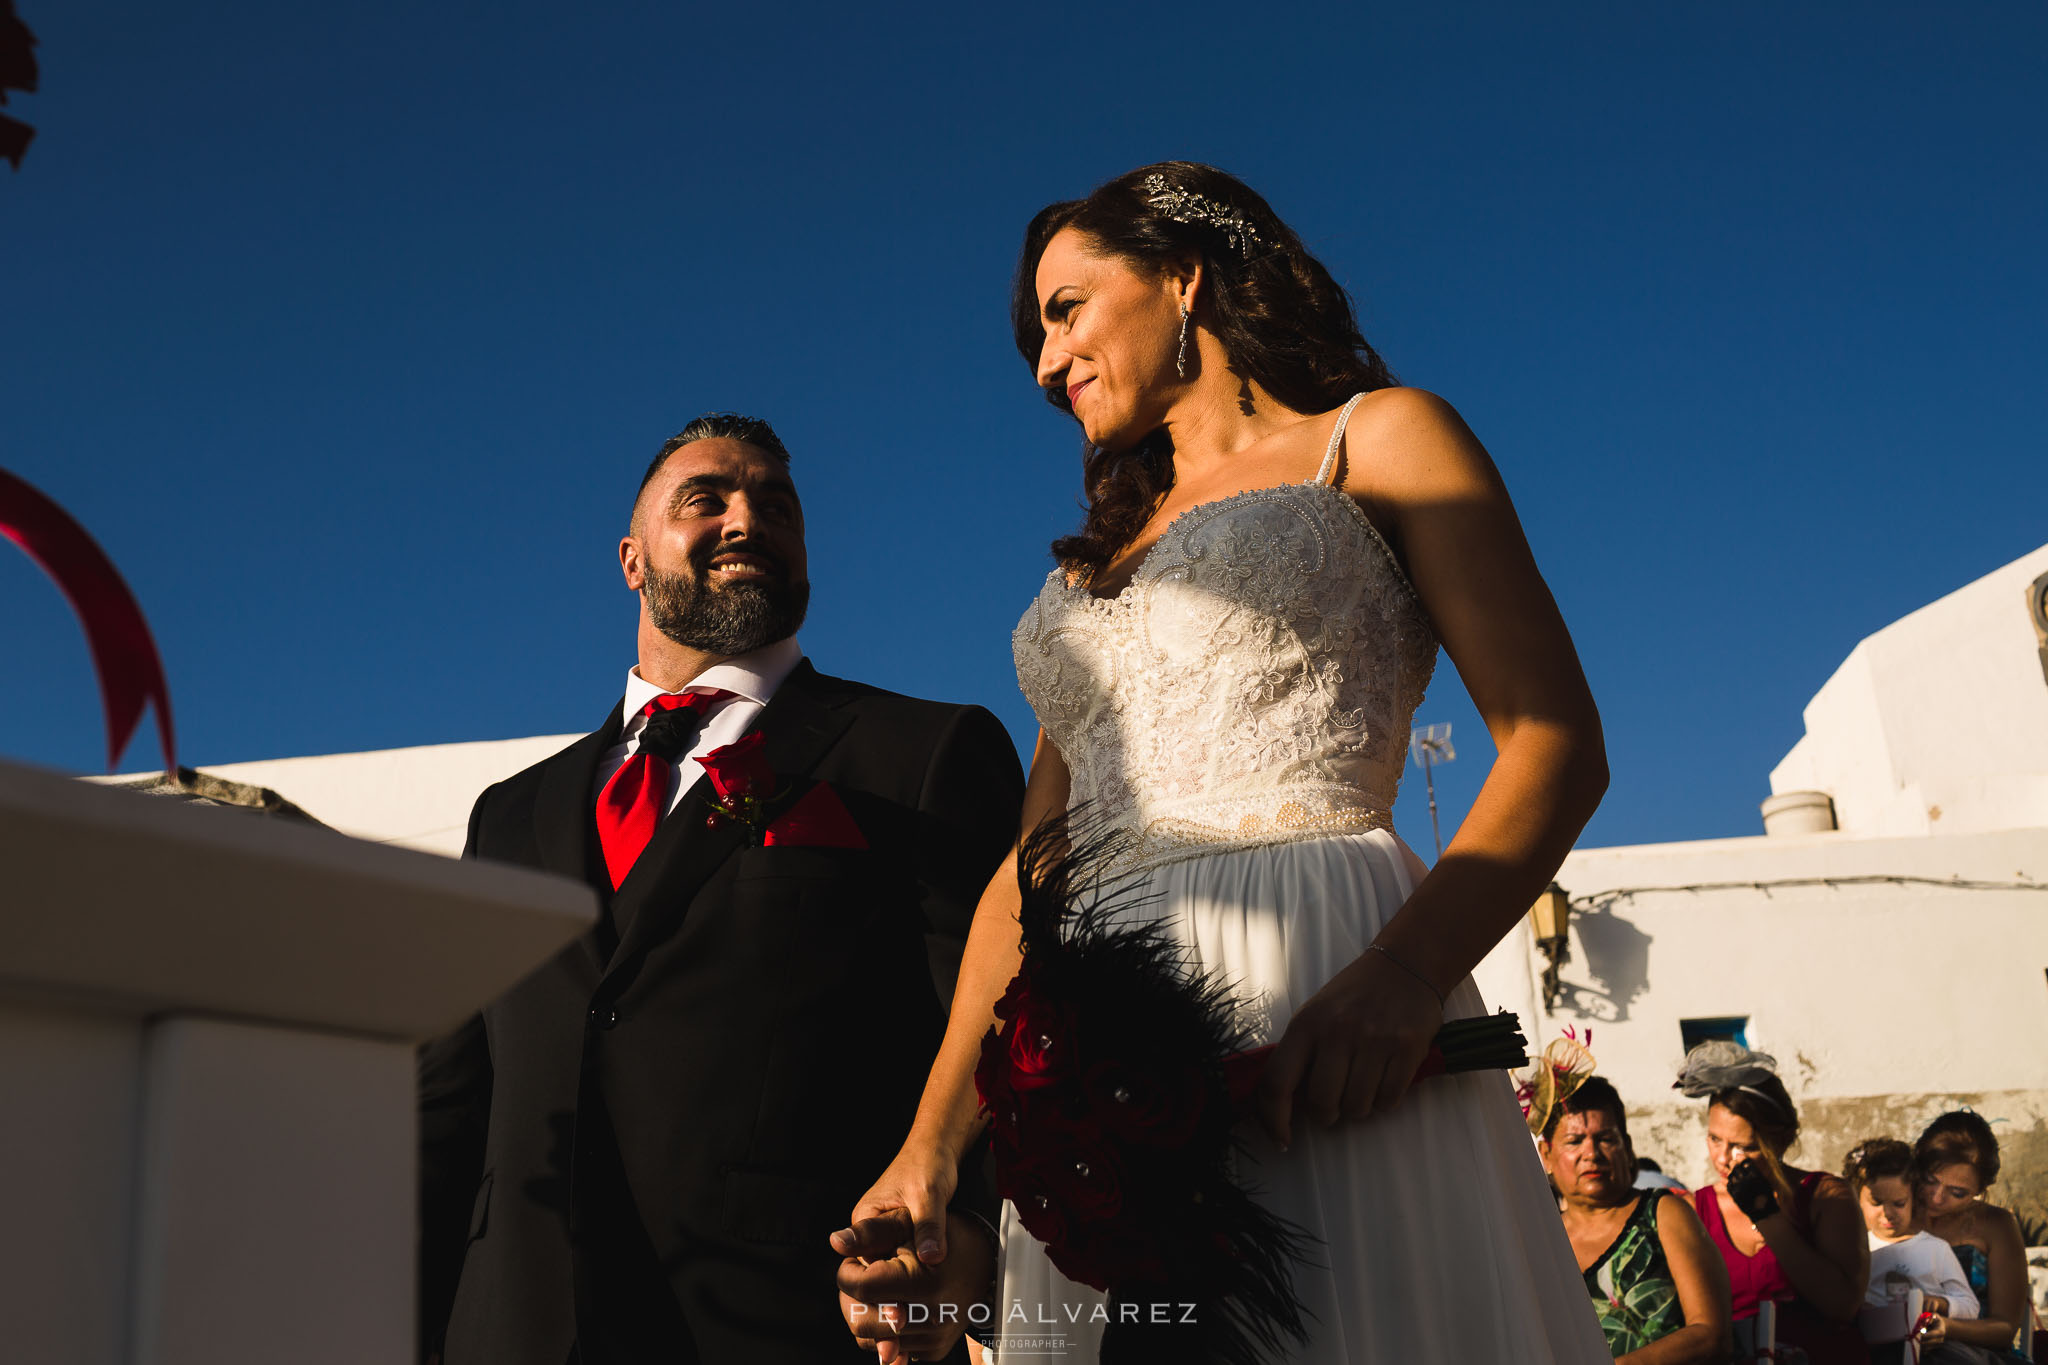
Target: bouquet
(1113, 1083)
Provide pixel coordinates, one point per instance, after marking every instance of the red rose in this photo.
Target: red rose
(1112, 1255)
(1041, 1216)
(1013, 996)
(1083, 1177)
(1041, 1042)
(739, 769)
(1143, 1106)
(1037, 1209)
(992, 1077)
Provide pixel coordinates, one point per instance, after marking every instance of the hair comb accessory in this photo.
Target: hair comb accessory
(1722, 1064)
(1188, 206)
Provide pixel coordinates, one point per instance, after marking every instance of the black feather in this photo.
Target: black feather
(1113, 1128)
(1139, 1008)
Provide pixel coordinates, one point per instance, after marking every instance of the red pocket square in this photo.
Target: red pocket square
(819, 820)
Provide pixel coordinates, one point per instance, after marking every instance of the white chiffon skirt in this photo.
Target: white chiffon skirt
(1438, 1237)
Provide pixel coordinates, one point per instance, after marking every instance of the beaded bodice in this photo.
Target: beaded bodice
(1254, 682)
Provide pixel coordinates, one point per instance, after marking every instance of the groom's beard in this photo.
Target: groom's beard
(698, 612)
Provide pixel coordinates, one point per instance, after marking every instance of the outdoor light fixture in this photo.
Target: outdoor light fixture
(1550, 920)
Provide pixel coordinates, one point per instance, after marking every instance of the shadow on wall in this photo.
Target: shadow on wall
(1617, 955)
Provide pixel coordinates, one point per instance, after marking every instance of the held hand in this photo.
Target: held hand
(1352, 1049)
(918, 1183)
(1933, 1329)
(1934, 1303)
(898, 1306)
(1754, 1192)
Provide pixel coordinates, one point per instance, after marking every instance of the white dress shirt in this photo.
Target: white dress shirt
(751, 678)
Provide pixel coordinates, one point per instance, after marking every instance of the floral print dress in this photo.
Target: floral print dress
(1631, 1284)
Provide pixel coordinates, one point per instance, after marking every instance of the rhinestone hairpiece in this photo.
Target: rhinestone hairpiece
(1187, 206)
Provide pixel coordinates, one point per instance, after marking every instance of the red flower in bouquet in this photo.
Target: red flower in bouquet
(1040, 1213)
(1142, 1105)
(1019, 1073)
(1084, 1179)
(1012, 998)
(1041, 1043)
(1112, 1254)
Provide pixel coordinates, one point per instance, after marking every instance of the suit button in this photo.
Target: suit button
(604, 1016)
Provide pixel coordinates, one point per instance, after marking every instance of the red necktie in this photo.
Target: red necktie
(636, 798)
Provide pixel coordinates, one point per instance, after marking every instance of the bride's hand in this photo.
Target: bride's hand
(919, 1181)
(1352, 1049)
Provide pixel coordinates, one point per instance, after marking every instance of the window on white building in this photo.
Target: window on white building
(1734, 1027)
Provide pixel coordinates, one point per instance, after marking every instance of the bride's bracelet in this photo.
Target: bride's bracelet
(1376, 948)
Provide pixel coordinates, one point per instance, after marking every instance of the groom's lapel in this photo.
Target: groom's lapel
(565, 820)
(801, 722)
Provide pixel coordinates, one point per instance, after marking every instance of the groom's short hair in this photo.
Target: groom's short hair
(736, 426)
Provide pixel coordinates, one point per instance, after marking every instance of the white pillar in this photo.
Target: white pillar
(207, 1026)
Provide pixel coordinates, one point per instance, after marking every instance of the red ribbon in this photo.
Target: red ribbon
(123, 653)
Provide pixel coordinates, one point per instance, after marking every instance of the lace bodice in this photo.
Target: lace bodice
(1254, 683)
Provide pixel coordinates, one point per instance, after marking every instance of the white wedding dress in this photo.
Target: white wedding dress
(1241, 711)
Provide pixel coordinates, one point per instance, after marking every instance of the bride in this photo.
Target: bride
(1224, 665)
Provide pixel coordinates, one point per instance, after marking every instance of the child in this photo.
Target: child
(1902, 1256)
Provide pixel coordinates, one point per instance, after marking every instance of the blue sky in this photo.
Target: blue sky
(348, 329)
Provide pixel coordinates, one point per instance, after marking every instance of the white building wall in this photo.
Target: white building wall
(418, 797)
(1858, 988)
(1939, 722)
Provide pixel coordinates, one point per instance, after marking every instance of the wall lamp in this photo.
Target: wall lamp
(1550, 920)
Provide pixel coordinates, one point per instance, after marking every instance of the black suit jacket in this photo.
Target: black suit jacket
(640, 1150)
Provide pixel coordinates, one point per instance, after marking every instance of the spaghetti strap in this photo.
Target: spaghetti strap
(1329, 469)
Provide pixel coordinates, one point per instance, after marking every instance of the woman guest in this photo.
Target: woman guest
(1656, 1282)
(1958, 1160)
(1791, 1236)
(1902, 1255)
(1224, 663)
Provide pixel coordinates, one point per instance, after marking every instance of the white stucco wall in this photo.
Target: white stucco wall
(418, 797)
(1858, 989)
(1939, 722)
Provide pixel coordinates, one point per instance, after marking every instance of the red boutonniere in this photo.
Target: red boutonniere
(742, 783)
(743, 789)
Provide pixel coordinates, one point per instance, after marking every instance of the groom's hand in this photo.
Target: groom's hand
(901, 1307)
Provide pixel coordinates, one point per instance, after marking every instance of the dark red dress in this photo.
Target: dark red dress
(1752, 1279)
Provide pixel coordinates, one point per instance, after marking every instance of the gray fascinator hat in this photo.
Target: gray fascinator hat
(1721, 1064)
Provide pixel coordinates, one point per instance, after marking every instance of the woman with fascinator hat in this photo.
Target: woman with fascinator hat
(1788, 1235)
(1225, 661)
(1655, 1281)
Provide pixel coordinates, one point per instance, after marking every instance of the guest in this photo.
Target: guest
(1902, 1255)
(1791, 1236)
(1657, 1284)
(1958, 1160)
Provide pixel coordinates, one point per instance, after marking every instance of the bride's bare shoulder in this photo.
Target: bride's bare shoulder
(1404, 443)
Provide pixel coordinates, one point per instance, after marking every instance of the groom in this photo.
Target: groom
(637, 1154)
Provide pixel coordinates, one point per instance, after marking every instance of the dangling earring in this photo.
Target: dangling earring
(1180, 360)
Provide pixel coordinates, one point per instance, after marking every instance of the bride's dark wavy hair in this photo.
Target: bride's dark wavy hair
(1284, 321)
